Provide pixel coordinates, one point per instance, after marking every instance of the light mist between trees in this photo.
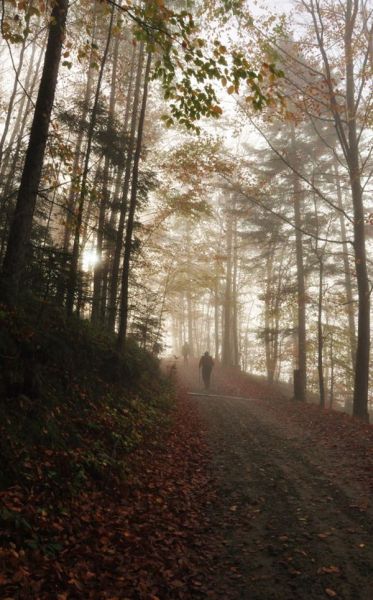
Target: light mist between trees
(176, 186)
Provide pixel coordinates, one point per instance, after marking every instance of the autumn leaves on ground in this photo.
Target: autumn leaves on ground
(252, 498)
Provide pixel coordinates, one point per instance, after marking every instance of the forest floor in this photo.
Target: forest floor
(252, 497)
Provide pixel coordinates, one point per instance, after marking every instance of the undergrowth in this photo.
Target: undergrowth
(71, 407)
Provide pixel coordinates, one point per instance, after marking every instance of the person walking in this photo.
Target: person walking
(206, 363)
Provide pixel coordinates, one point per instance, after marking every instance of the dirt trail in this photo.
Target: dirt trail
(289, 530)
(291, 524)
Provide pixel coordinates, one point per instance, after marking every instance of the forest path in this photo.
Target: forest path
(290, 524)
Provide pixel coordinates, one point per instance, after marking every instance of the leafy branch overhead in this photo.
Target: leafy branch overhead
(192, 71)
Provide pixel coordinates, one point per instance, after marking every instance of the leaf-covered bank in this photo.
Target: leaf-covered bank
(71, 406)
(143, 542)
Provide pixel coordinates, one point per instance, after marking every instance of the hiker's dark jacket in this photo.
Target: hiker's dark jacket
(206, 363)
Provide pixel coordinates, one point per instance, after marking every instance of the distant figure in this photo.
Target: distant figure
(185, 351)
(206, 363)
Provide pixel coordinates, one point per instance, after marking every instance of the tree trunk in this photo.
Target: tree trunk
(267, 310)
(227, 308)
(360, 401)
(20, 230)
(77, 163)
(236, 350)
(216, 311)
(349, 140)
(368, 32)
(276, 324)
(320, 338)
(347, 274)
(98, 310)
(182, 332)
(123, 323)
(301, 324)
(331, 387)
(114, 275)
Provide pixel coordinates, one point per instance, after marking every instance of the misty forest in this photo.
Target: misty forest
(186, 268)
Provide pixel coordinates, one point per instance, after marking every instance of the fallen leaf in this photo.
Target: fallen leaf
(331, 569)
(323, 536)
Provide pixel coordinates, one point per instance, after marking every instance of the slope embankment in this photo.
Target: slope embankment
(69, 399)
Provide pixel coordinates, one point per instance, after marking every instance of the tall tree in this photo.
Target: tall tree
(115, 274)
(301, 387)
(73, 274)
(349, 138)
(20, 230)
(123, 320)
